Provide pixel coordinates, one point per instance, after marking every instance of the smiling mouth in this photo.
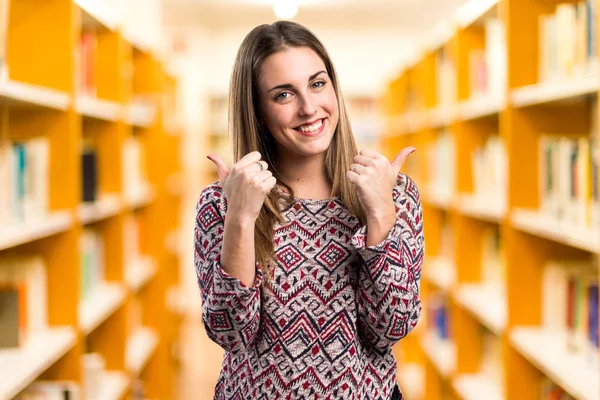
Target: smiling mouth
(313, 127)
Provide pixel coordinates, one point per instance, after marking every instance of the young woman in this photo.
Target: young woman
(308, 253)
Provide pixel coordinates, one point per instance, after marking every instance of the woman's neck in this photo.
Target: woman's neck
(306, 176)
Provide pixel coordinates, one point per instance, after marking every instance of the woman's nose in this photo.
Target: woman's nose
(307, 106)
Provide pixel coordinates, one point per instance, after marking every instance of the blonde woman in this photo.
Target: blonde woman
(308, 253)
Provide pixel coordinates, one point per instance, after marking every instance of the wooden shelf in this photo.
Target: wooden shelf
(480, 108)
(556, 91)
(538, 224)
(98, 109)
(476, 387)
(487, 73)
(140, 347)
(114, 386)
(97, 14)
(18, 234)
(140, 272)
(472, 11)
(487, 302)
(442, 353)
(548, 351)
(100, 305)
(175, 300)
(20, 367)
(482, 208)
(24, 95)
(106, 207)
(411, 378)
(141, 198)
(442, 116)
(439, 198)
(440, 272)
(136, 40)
(141, 115)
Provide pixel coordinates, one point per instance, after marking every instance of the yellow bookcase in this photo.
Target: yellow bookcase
(127, 319)
(459, 225)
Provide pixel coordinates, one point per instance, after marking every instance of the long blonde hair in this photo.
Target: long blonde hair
(250, 134)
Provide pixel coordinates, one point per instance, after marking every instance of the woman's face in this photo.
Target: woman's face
(297, 101)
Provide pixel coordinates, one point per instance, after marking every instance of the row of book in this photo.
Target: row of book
(92, 264)
(437, 315)
(570, 304)
(440, 156)
(92, 387)
(489, 166)
(445, 77)
(567, 41)
(569, 180)
(487, 66)
(491, 357)
(23, 299)
(24, 175)
(134, 176)
(493, 267)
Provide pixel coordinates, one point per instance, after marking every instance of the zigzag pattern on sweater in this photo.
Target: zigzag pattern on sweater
(324, 327)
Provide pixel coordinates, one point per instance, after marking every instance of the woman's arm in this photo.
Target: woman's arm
(230, 306)
(388, 293)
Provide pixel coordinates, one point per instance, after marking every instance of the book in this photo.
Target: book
(570, 304)
(568, 179)
(27, 274)
(490, 170)
(91, 261)
(567, 41)
(89, 166)
(10, 312)
(51, 390)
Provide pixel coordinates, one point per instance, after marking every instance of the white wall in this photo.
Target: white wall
(365, 60)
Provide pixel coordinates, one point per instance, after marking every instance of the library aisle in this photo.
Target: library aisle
(109, 107)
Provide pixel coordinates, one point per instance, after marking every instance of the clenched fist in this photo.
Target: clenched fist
(246, 185)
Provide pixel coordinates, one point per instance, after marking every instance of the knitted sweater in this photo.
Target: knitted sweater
(325, 326)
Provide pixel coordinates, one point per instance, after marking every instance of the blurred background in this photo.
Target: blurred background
(108, 109)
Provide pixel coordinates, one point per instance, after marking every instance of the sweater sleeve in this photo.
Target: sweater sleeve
(388, 291)
(230, 309)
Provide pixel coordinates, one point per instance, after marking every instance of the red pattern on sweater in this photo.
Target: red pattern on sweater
(326, 325)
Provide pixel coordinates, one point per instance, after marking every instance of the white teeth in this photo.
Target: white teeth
(311, 128)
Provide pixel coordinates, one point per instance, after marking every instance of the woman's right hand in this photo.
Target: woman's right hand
(245, 186)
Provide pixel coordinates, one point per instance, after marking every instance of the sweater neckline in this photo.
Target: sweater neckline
(307, 201)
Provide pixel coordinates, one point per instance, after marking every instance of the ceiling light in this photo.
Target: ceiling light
(285, 9)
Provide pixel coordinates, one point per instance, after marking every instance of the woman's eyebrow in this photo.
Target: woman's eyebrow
(289, 86)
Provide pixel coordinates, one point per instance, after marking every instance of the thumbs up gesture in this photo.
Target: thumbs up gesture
(374, 178)
(245, 185)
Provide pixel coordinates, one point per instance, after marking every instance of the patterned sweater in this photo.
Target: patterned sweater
(325, 326)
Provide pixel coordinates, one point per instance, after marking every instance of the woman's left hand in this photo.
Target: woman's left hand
(374, 178)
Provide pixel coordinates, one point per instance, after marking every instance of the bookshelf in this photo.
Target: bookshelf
(88, 200)
(508, 171)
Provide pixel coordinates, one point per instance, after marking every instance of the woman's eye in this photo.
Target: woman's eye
(318, 84)
(282, 96)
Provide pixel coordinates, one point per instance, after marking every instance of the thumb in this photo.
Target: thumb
(222, 169)
(401, 158)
